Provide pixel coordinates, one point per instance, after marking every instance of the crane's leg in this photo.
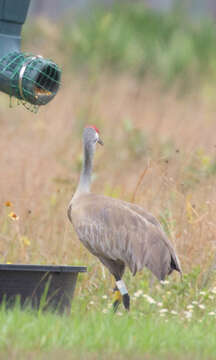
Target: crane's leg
(126, 301)
(120, 291)
(117, 298)
(122, 294)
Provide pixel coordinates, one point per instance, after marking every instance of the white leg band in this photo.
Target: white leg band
(121, 286)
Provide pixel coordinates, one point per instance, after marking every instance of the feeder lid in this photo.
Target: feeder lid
(45, 268)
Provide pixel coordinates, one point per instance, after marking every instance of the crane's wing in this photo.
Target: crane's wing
(111, 229)
(138, 209)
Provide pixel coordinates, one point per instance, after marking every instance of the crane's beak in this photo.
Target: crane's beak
(100, 141)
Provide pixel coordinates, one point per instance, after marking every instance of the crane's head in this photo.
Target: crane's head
(91, 135)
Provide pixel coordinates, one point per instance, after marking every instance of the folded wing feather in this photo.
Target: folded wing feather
(122, 231)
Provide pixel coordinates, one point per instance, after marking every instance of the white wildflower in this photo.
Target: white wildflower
(91, 302)
(159, 304)
(138, 293)
(211, 313)
(190, 307)
(201, 306)
(164, 282)
(173, 312)
(195, 302)
(211, 297)
(202, 293)
(213, 290)
(104, 297)
(162, 311)
(149, 299)
(188, 314)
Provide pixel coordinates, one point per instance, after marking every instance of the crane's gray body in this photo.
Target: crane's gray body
(117, 232)
(121, 233)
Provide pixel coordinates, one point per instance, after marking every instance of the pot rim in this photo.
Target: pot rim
(43, 268)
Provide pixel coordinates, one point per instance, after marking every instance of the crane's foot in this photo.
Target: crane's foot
(116, 299)
(126, 301)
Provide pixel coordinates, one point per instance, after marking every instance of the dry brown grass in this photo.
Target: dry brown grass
(41, 159)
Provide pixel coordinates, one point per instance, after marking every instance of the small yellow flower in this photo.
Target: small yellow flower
(189, 209)
(105, 22)
(8, 203)
(13, 216)
(25, 240)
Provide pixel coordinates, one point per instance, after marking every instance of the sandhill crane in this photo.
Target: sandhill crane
(118, 233)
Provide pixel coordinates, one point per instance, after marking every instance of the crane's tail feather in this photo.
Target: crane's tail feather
(175, 265)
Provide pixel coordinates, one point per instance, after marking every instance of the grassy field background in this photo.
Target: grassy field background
(158, 127)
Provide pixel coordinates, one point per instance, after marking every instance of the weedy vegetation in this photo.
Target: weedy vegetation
(159, 152)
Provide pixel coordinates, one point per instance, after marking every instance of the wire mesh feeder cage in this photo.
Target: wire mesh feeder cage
(32, 79)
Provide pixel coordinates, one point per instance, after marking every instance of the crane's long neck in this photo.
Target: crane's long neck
(85, 177)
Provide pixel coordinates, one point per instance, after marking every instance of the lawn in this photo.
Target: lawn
(149, 331)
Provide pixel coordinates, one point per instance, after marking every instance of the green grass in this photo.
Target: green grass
(166, 324)
(93, 332)
(133, 38)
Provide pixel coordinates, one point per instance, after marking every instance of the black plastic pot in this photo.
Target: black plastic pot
(45, 287)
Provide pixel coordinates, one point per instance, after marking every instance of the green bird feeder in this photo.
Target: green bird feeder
(29, 78)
